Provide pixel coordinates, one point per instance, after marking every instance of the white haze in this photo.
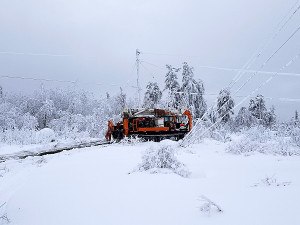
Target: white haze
(99, 38)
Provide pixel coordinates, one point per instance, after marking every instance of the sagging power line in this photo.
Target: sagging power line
(34, 54)
(231, 70)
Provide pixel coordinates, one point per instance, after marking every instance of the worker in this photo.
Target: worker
(110, 128)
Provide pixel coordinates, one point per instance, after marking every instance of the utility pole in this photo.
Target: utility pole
(137, 53)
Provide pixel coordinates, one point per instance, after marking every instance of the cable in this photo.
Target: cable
(262, 48)
(233, 70)
(265, 63)
(37, 79)
(159, 67)
(54, 80)
(283, 99)
(35, 54)
(166, 54)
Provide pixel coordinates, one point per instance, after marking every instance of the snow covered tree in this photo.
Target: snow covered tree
(152, 96)
(172, 87)
(212, 114)
(192, 92)
(257, 107)
(29, 122)
(225, 105)
(121, 99)
(269, 118)
(9, 116)
(117, 104)
(244, 118)
(1, 92)
(295, 120)
(46, 113)
(187, 73)
(200, 106)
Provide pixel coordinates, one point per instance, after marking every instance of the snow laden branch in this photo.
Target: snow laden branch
(209, 207)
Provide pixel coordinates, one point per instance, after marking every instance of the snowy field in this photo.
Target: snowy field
(101, 185)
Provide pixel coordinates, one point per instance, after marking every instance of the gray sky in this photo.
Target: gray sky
(99, 39)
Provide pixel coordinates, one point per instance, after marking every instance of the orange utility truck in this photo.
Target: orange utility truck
(151, 124)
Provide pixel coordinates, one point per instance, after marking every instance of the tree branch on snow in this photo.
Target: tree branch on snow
(3, 170)
(3, 216)
(271, 181)
(208, 206)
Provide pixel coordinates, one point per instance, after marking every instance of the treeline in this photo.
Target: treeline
(78, 113)
(189, 93)
(69, 113)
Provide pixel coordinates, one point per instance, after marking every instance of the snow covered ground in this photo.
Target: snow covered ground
(98, 185)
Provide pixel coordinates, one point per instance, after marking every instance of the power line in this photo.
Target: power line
(258, 53)
(280, 25)
(35, 54)
(37, 79)
(283, 99)
(55, 80)
(167, 54)
(232, 69)
(268, 59)
(99, 84)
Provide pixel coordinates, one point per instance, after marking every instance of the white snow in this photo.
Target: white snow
(93, 186)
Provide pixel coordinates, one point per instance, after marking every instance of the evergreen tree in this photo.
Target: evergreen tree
(152, 96)
(200, 106)
(269, 118)
(225, 105)
(295, 119)
(296, 116)
(1, 95)
(257, 107)
(172, 87)
(187, 73)
(1, 92)
(192, 92)
(244, 118)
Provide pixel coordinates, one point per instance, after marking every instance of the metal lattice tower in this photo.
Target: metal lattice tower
(137, 53)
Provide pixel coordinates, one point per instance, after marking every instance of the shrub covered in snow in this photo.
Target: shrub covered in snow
(295, 134)
(162, 157)
(263, 140)
(45, 135)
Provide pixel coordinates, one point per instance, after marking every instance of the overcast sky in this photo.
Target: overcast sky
(97, 41)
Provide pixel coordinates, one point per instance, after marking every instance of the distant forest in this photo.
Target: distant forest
(73, 113)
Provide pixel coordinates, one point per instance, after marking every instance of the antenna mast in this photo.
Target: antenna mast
(137, 53)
